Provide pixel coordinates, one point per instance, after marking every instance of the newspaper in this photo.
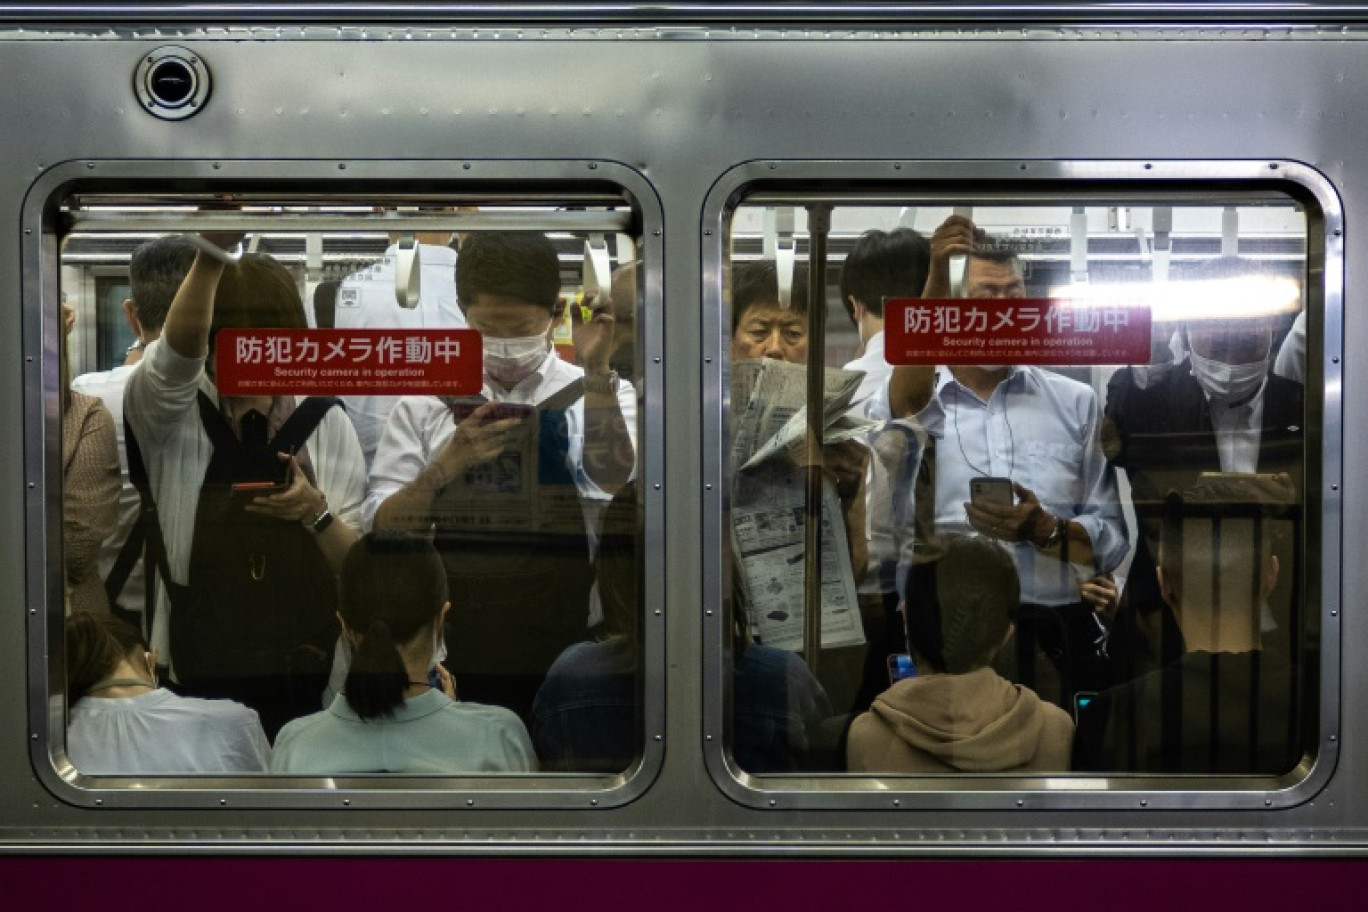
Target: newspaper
(768, 502)
(768, 519)
(770, 413)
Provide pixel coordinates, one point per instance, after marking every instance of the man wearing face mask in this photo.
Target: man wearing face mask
(1219, 409)
(510, 484)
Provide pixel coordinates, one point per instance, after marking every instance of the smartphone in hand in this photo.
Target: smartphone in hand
(989, 491)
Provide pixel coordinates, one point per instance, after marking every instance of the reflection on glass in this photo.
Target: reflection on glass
(260, 498)
(1005, 422)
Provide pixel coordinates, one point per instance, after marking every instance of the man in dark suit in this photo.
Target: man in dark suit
(1219, 410)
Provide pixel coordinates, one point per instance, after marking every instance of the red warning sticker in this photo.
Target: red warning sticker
(341, 362)
(1016, 331)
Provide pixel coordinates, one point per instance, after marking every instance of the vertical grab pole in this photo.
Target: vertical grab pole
(819, 225)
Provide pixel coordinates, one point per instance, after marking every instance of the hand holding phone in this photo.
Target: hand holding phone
(991, 491)
(244, 492)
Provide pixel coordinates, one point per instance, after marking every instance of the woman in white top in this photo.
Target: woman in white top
(123, 724)
(399, 712)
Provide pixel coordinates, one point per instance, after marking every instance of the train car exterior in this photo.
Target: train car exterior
(1107, 141)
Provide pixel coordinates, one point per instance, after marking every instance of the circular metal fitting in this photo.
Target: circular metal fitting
(171, 83)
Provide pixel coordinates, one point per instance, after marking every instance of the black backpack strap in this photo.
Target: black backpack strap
(564, 397)
(291, 436)
(303, 421)
(147, 529)
(129, 555)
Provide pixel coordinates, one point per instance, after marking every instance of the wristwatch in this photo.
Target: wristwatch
(601, 383)
(321, 521)
(1056, 534)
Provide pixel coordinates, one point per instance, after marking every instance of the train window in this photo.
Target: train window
(1018, 488)
(379, 524)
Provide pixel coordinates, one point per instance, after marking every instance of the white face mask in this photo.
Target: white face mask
(439, 650)
(510, 360)
(1228, 382)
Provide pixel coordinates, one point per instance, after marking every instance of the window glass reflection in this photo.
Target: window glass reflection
(1062, 482)
(350, 576)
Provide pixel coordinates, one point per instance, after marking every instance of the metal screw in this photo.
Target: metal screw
(218, 166)
(90, 166)
(656, 233)
(346, 802)
(465, 167)
(707, 232)
(341, 166)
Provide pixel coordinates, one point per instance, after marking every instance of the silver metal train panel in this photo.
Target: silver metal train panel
(679, 107)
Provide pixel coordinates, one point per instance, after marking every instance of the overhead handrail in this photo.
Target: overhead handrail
(408, 268)
(457, 220)
(598, 275)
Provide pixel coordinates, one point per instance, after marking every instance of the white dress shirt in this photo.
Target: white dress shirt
(420, 426)
(365, 300)
(871, 398)
(1040, 429)
(1239, 430)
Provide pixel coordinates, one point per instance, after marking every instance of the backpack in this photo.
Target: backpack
(255, 622)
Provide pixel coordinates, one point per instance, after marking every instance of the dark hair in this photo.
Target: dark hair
(515, 264)
(393, 588)
(884, 264)
(998, 251)
(616, 567)
(257, 292)
(1220, 498)
(95, 645)
(756, 284)
(958, 607)
(155, 273)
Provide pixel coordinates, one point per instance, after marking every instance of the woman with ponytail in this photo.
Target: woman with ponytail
(398, 712)
(123, 724)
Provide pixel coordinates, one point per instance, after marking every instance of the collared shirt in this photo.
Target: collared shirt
(1040, 429)
(366, 300)
(160, 406)
(161, 733)
(429, 733)
(420, 426)
(1239, 429)
(871, 399)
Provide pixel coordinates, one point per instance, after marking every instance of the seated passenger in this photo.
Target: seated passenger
(122, 724)
(586, 716)
(390, 718)
(957, 714)
(778, 707)
(510, 483)
(247, 608)
(1226, 705)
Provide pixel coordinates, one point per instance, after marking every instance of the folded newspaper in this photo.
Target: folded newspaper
(768, 502)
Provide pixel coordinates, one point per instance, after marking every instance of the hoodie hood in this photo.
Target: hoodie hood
(975, 722)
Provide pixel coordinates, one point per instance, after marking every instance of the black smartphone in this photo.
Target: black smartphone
(461, 409)
(244, 492)
(1080, 702)
(989, 491)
